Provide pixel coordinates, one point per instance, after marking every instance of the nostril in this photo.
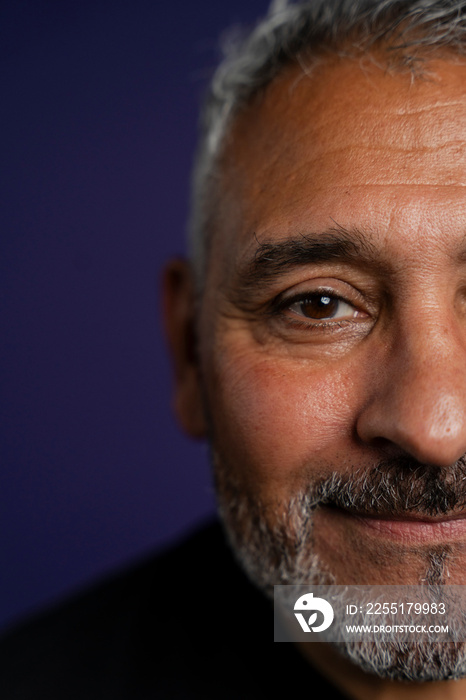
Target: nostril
(379, 443)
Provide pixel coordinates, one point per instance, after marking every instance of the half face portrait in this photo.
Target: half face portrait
(328, 325)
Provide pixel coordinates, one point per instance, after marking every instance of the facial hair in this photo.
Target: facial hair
(278, 549)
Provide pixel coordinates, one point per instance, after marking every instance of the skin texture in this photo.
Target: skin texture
(379, 159)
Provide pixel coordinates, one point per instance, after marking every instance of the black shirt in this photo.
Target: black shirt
(187, 624)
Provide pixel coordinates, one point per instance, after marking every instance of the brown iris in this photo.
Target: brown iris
(319, 306)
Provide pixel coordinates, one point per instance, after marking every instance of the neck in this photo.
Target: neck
(358, 685)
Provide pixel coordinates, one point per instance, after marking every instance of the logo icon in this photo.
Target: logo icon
(313, 605)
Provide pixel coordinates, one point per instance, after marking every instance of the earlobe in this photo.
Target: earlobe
(179, 311)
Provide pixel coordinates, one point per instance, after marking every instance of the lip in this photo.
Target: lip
(411, 527)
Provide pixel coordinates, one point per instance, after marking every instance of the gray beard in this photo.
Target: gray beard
(279, 550)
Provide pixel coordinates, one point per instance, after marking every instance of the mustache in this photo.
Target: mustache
(394, 486)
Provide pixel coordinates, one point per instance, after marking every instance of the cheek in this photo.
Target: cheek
(273, 418)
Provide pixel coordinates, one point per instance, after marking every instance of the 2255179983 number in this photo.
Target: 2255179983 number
(378, 608)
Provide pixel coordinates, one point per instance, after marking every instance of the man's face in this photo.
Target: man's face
(333, 322)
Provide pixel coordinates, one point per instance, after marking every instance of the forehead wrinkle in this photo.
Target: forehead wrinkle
(387, 169)
(410, 108)
(266, 193)
(411, 139)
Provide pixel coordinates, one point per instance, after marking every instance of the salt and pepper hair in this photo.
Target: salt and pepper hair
(407, 28)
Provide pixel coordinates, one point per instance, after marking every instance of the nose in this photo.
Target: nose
(417, 400)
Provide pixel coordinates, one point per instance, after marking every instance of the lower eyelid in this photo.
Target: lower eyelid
(307, 326)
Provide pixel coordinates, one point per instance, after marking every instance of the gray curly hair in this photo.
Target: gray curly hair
(407, 29)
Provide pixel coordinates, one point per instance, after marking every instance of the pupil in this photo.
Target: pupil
(320, 306)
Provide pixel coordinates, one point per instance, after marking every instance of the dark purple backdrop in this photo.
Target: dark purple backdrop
(98, 122)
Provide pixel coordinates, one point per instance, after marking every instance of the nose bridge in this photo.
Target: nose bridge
(419, 402)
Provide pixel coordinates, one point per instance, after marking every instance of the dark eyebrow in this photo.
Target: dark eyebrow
(270, 260)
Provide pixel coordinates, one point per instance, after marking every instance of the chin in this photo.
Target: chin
(408, 660)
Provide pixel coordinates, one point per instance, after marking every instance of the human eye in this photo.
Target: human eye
(322, 306)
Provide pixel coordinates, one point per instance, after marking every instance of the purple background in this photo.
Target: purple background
(98, 123)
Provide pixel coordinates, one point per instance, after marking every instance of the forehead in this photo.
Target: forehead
(344, 140)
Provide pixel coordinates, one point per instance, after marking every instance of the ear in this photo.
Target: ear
(180, 329)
